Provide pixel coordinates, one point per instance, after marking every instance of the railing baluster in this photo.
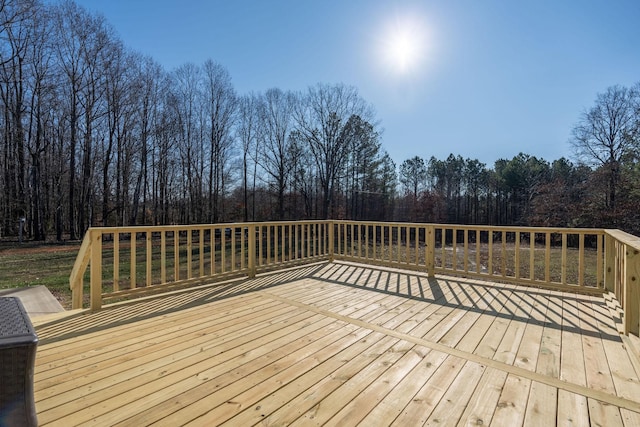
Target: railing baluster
(289, 253)
(268, 260)
(189, 253)
(398, 243)
(532, 251)
(407, 237)
(443, 243)
(454, 253)
(581, 265)
(503, 233)
(547, 258)
(260, 245)
(564, 259)
(465, 236)
(243, 249)
(309, 240)
(478, 269)
(517, 255)
(176, 255)
(251, 250)
(163, 256)
(374, 247)
(490, 260)
(223, 250)
(116, 261)
(149, 259)
(133, 261)
(212, 244)
(201, 250)
(601, 279)
(233, 249)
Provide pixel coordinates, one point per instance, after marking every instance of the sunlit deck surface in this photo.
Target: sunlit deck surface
(341, 344)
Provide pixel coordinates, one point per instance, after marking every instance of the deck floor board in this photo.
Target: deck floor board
(340, 344)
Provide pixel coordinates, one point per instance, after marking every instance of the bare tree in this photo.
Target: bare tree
(187, 107)
(40, 87)
(277, 151)
(607, 133)
(321, 120)
(72, 25)
(17, 35)
(246, 132)
(221, 102)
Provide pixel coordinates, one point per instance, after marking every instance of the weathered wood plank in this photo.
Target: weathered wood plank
(454, 401)
(428, 397)
(483, 402)
(513, 402)
(542, 406)
(126, 388)
(305, 402)
(389, 408)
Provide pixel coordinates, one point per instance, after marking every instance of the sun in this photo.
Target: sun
(402, 51)
(403, 46)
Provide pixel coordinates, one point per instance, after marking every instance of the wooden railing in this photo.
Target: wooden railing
(561, 258)
(134, 260)
(130, 260)
(622, 276)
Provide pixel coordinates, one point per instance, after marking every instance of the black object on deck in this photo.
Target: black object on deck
(18, 342)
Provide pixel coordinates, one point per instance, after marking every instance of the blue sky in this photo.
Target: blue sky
(489, 78)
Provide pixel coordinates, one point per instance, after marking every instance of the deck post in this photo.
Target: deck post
(632, 291)
(609, 263)
(96, 269)
(331, 242)
(431, 252)
(77, 293)
(251, 229)
(76, 279)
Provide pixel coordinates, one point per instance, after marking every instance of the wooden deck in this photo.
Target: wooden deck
(341, 344)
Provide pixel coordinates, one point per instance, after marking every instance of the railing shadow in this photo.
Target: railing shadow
(509, 302)
(163, 304)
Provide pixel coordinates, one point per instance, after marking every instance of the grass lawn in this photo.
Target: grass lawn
(33, 264)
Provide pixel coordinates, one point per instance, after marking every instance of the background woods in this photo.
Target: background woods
(95, 134)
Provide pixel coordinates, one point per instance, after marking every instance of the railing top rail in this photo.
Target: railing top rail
(480, 227)
(626, 238)
(128, 229)
(82, 260)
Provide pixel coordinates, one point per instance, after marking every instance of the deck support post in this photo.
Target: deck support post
(96, 269)
(431, 250)
(77, 293)
(632, 291)
(609, 263)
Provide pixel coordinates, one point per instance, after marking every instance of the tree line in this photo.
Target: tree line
(94, 134)
(600, 189)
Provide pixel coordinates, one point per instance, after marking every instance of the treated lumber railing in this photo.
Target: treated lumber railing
(125, 261)
(561, 258)
(622, 276)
